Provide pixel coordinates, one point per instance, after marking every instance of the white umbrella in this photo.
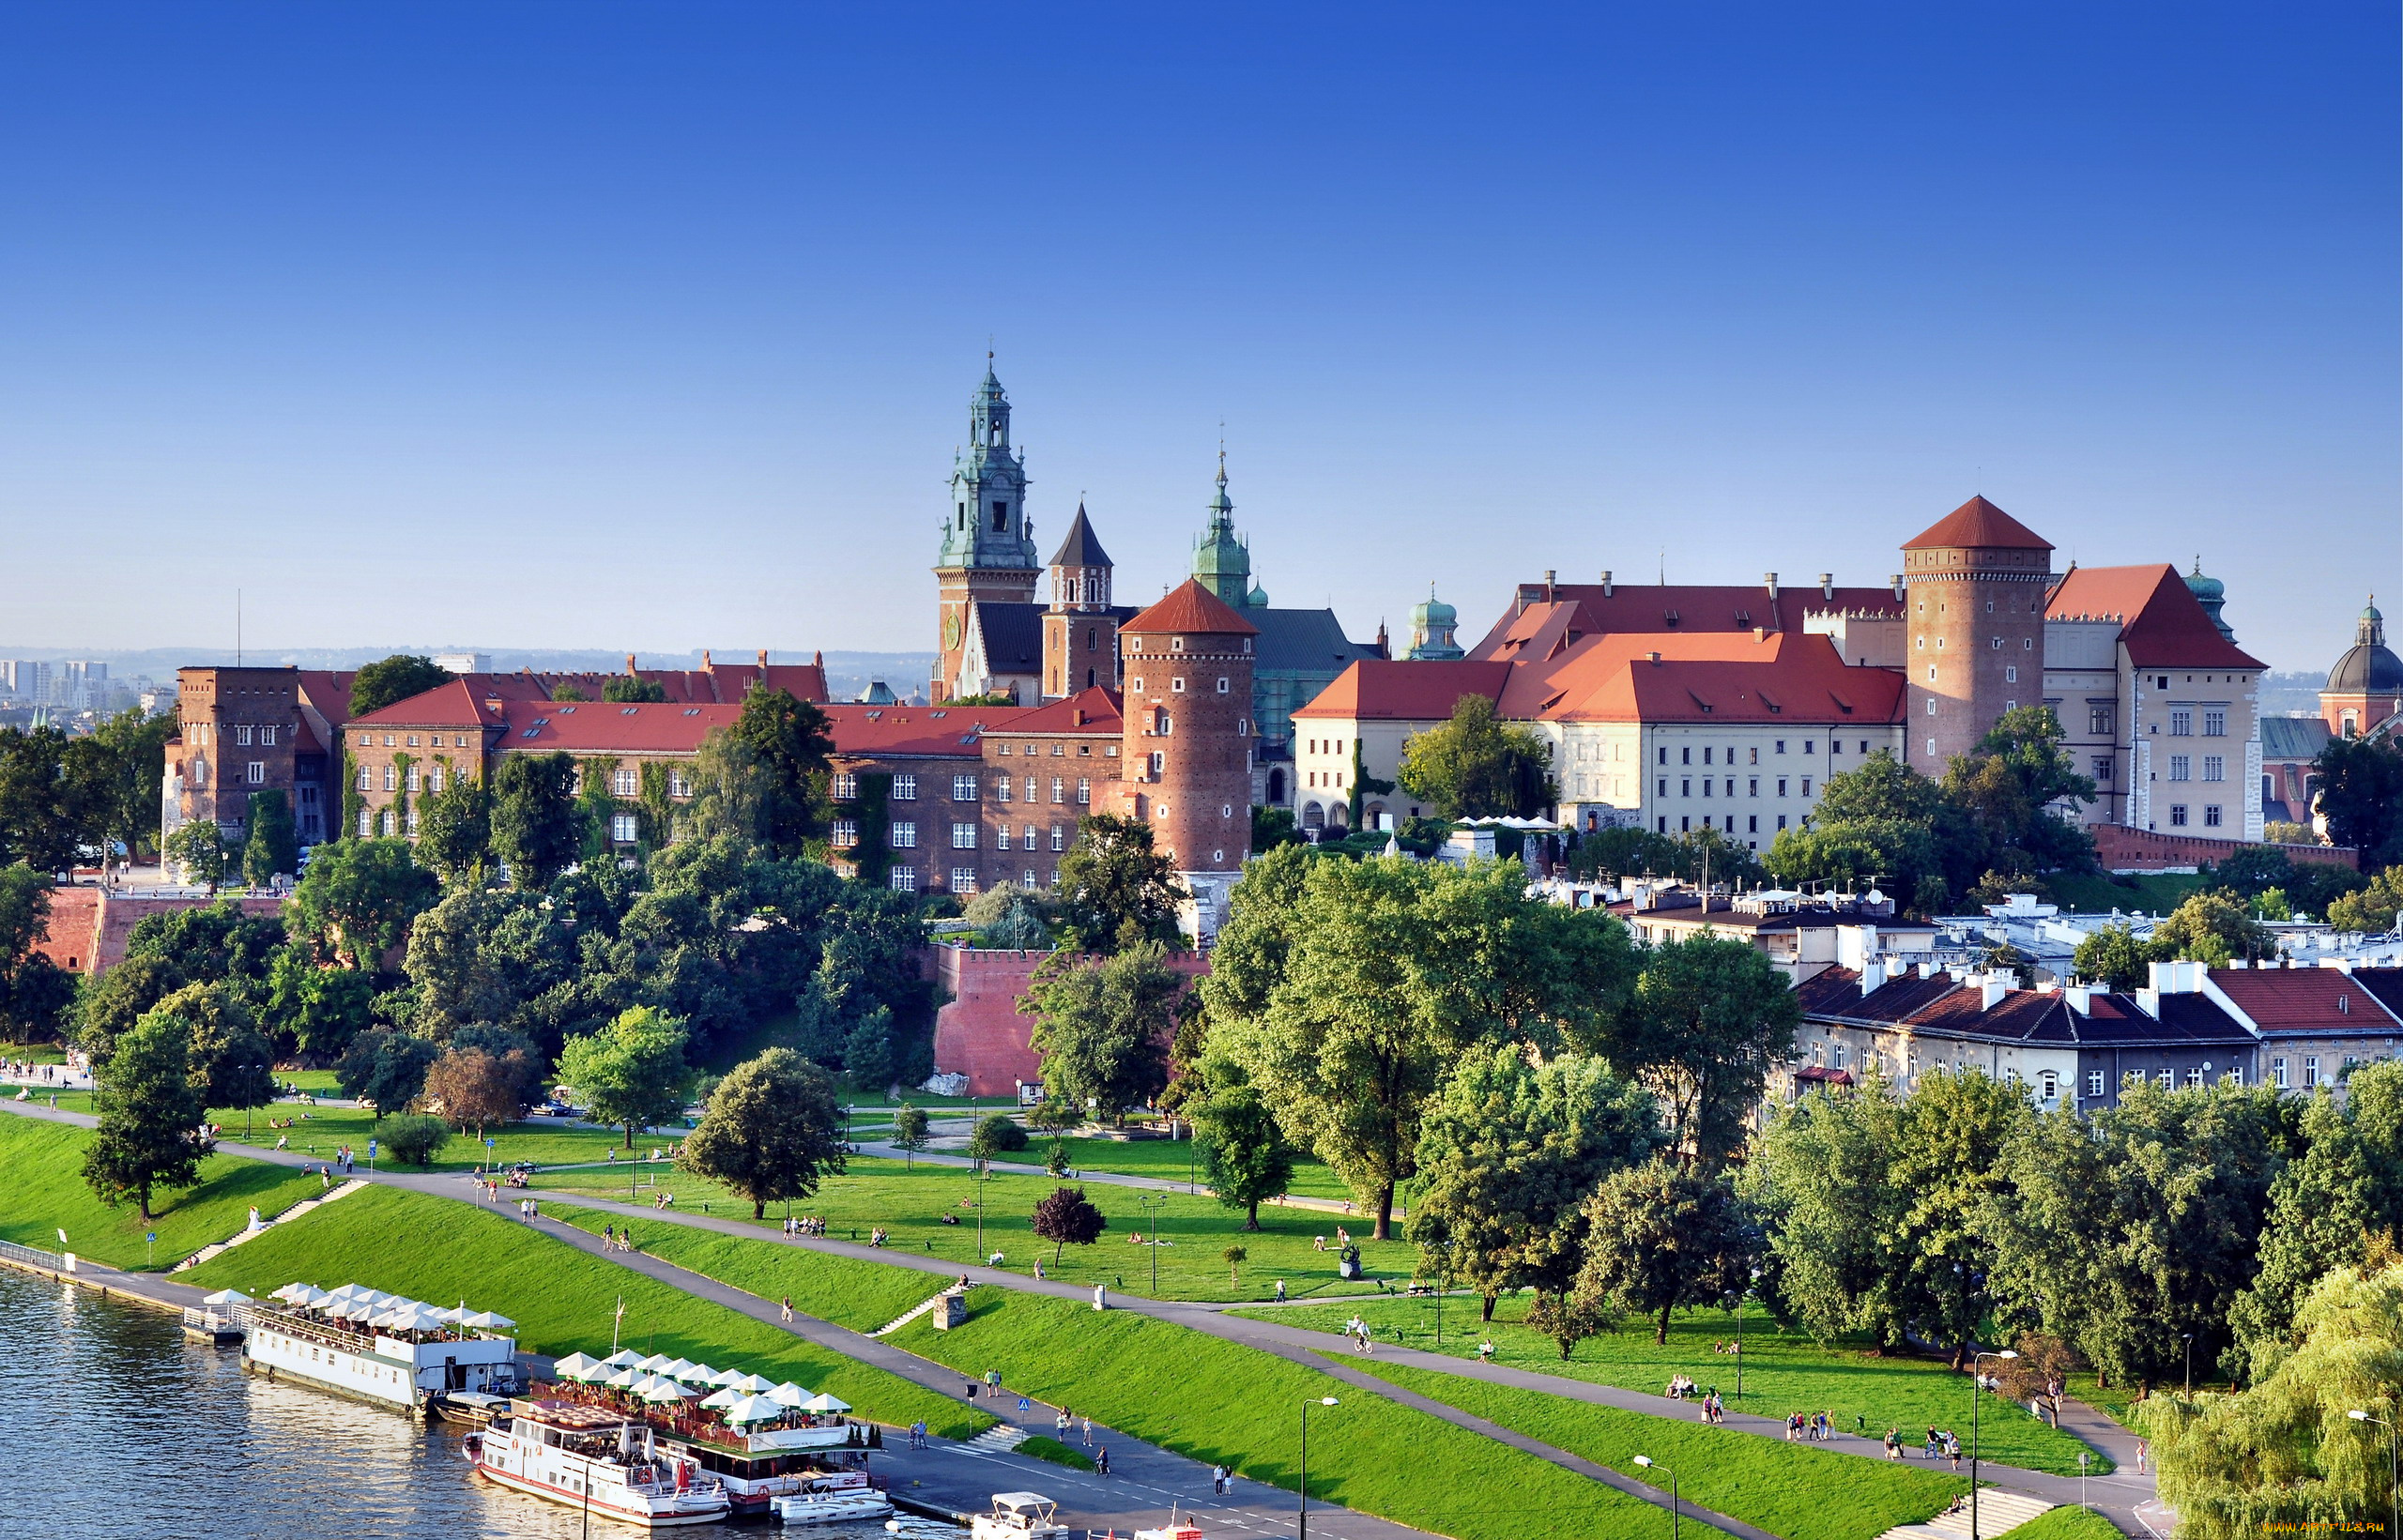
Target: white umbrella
(668, 1390)
(699, 1374)
(675, 1369)
(754, 1384)
(788, 1394)
(626, 1379)
(624, 1358)
(226, 1296)
(723, 1398)
(655, 1363)
(575, 1366)
(754, 1409)
(304, 1294)
(732, 1379)
(351, 1310)
(453, 1314)
(486, 1321)
(287, 1293)
(823, 1402)
(376, 1296)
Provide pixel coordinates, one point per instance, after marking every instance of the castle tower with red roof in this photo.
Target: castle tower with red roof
(1974, 584)
(1189, 738)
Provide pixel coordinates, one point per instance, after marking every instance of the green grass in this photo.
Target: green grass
(1794, 1490)
(563, 1300)
(843, 1289)
(910, 1204)
(1169, 1160)
(2067, 1523)
(45, 1193)
(33, 1052)
(1051, 1449)
(1783, 1372)
(2155, 893)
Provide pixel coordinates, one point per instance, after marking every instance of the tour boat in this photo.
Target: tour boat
(601, 1461)
(757, 1468)
(833, 1497)
(1018, 1516)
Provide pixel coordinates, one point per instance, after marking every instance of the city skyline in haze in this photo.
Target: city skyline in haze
(658, 331)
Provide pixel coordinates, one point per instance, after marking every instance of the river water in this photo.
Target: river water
(118, 1427)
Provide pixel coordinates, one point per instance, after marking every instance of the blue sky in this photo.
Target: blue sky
(654, 325)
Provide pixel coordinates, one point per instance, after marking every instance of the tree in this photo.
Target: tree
(1243, 1153)
(996, 1134)
(2361, 796)
(536, 828)
(910, 1132)
(477, 1089)
(1507, 1152)
(384, 1068)
(1065, 1219)
(35, 993)
(2214, 928)
(2113, 958)
(395, 679)
(232, 1061)
(1476, 765)
(1570, 1318)
(1235, 1256)
(567, 692)
(115, 774)
(1660, 1237)
(44, 820)
(1817, 1177)
(1103, 1025)
(1947, 1161)
(632, 1072)
(1713, 1016)
(150, 1112)
(2285, 1454)
(632, 690)
(867, 1050)
(2021, 789)
(318, 1009)
(788, 740)
(199, 848)
(359, 898)
(1117, 889)
(415, 1140)
(770, 1131)
(454, 827)
(1887, 825)
(271, 848)
(2375, 907)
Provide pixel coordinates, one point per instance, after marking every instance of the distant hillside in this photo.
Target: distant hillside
(2287, 694)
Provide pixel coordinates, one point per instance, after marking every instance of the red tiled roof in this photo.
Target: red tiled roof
(1100, 708)
(1561, 685)
(2302, 1000)
(1194, 610)
(328, 691)
(1979, 524)
(1391, 690)
(1541, 627)
(2162, 622)
(870, 731)
(1804, 683)
(455, 702)
(606, 727)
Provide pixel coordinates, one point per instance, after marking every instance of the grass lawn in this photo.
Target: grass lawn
(1169, 1160)
(46, 1194)
(1791, 1490)
(2067, 1523)
(33, 1052)
(843, 1289)
(910, 1204)
(563, 1300)
(1050, 1449)
(1782, 1372)
(2155, 893)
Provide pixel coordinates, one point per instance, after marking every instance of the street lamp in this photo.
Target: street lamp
(2393, 1498)
(1976, 1385)
(1304, 1533)
(1741, 1300)
(1676, 1515)
(1152, 1204)
(2188, 1338)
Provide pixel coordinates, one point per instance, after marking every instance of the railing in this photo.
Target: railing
(227, 1320)
(33, 1257)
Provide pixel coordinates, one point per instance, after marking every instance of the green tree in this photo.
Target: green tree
(150, 1113)
(770, 1131)
(788, 740)
(118, 769)
(569, 694)
(454, 827)
(1119, 893)
(359, 898)
(1713, 1016)
(199, 848)
(1887, 825)
(2114, 957)
(415, 1140)
(910, 1132)
(1476, 765)
(1817, 1176)
(2375, 907)
(1660, 1237)
(2361, 795)
(1948, 1163)
(231, 1058)
(632, 1072)
(35, 993)
(395, 679)
(2285, 1454)
(536, 828)
(479, 1088)
(1065, 1219)
(2021, 789)
(633, 690)
(384, 1068)
(867, 1050)
(1507, 1152)
(1103, 1025)
(44, 816)
(2214, 928)
(272, 849)
(996, 1134)
(1243, 1154)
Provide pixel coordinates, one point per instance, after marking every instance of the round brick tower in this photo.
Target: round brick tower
(1189, 743)
(1975, 585)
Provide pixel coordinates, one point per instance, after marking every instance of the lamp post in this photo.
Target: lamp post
(1677, 1516)
(1152, 1204)
(2393, 1498)
(1740, 1301)
(1304, 1533)
(2188, 1338)
(1976, 1385)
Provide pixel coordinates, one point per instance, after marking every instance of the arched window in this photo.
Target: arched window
(1275, 788)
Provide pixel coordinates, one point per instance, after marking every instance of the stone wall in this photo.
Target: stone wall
(2124, 849)
(89, 926)
(979, 1032)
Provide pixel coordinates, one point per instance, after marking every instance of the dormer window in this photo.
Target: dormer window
(1001, 518)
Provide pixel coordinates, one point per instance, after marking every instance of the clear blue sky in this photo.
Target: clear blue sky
(654, 325)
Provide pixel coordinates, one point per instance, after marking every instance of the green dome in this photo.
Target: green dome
(2205, 588)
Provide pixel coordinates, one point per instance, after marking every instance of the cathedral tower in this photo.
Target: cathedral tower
(987, 551)
(1221, 561)
(1080, 630)
(1975, 583)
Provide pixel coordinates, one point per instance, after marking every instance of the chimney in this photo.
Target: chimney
(763, 660)
(1897, 581)
(1652, 657)
(817, 659)
(1771, 578)
(1828, 587)
(705, 658)
(1607, 585)
(1550, 576)
(2080, 997)
(1077, 717)
(1760, 634)
(1991, 988)
(1873, 978)
(630, 664)
(1927, 969)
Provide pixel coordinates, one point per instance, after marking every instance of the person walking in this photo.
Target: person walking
(1280, 1290)
(1218, 1481)
(1101, 1460)
(1087, 1432)
(1893, 1445)
(786, 1308)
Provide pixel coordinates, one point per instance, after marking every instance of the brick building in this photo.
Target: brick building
(1190, 739)
(244, 730)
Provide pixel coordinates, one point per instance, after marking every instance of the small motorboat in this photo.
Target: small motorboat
(1018, 1516)
(468, 1407)
(834, 1498)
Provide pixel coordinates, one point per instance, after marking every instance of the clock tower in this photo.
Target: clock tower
(987, 552)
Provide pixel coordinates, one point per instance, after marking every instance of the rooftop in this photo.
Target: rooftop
(1978, 525)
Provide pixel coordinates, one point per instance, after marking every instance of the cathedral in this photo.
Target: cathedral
(998, 641)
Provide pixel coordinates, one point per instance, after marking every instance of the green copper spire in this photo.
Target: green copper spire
(987, 525)
(1221, 562)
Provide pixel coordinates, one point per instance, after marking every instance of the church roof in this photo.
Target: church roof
(2366, 669)
(1082, 548)
(1013, 636)
(2161, 622)
(1194, 610)
(1979, 524)
(1539, 627)
(2293, 737)
(1303, 642)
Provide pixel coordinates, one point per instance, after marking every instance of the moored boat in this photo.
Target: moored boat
(588, 1458)
(832, 1498)
(1018, 1516)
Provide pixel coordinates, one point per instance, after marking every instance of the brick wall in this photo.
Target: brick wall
(979, 1033)
(89, 926)
(2124, 849)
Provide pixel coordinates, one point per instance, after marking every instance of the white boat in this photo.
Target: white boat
(832, 1498)
(601, 1461)
(1175, 1529)
(1018, 1516)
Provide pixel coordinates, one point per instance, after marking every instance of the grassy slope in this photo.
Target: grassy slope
(1050, 1449)
(440, 1250)
(1193, 1231)
(1204, 1397)
(2155, 893)
(1168, 1159)
(45, 1193)
(1783, 1373)
(34, 1053)
(1789, 1489)
(2067, 1524)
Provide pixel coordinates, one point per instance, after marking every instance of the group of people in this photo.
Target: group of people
(804, 1225)
(1343, 1238)
(529, 1209)
(613, 1239)
(876, 1236)
(1810, 1426)
(1941, 1443)
(1358, 1330)
(1731, 1348)
(665, 1200)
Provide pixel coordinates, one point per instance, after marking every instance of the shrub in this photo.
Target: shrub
(996, 1133)
(415, 1138)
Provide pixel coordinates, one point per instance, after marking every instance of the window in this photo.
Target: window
(242, 734)
(1705, 756)
(1997, 643)
(2176, 814)
(1222, 685)
(266, 736)
(2098, 719)
(846, 786)
(1753, 786)
(2193, 1076)
(1001, 838)
(1685, 786)
(2010, 674)
(1084, 792)
(1059, 837)
(366, 821)
(904, 879)
(1664, 786)
(1031, 837)
(2167, 1080)
(1806, 785)
(905, 788)
(391, 778)
(1781, 785)
(1001, 788)
(2214, 767)
(1781, 748)
(2278, 1073)
(414, 778)
(1685, 755)
(1752, 824)
(2310, 1071)
(625, 828)
(1034, 791)
(2211, 816)
(389, 740)
(1706, 786)
(1754, 751)
(1176, 685)
(384, 820)
(1664, 753)
(963, 879)
(2214, 722)
(2049, 1085)
(255, 772)
(846, 833)
(2181, 722)
(2103, 768)
(2095, 1084)
(2181, 767)
(904, 834)
(433, 779)
(963, 789)
(963, 836)
(1807, 748)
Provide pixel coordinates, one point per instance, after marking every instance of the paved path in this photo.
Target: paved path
(1110, 1178)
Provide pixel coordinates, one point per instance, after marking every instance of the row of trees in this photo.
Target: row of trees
(63, 797)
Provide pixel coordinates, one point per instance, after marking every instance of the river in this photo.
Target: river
(118, 1427)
